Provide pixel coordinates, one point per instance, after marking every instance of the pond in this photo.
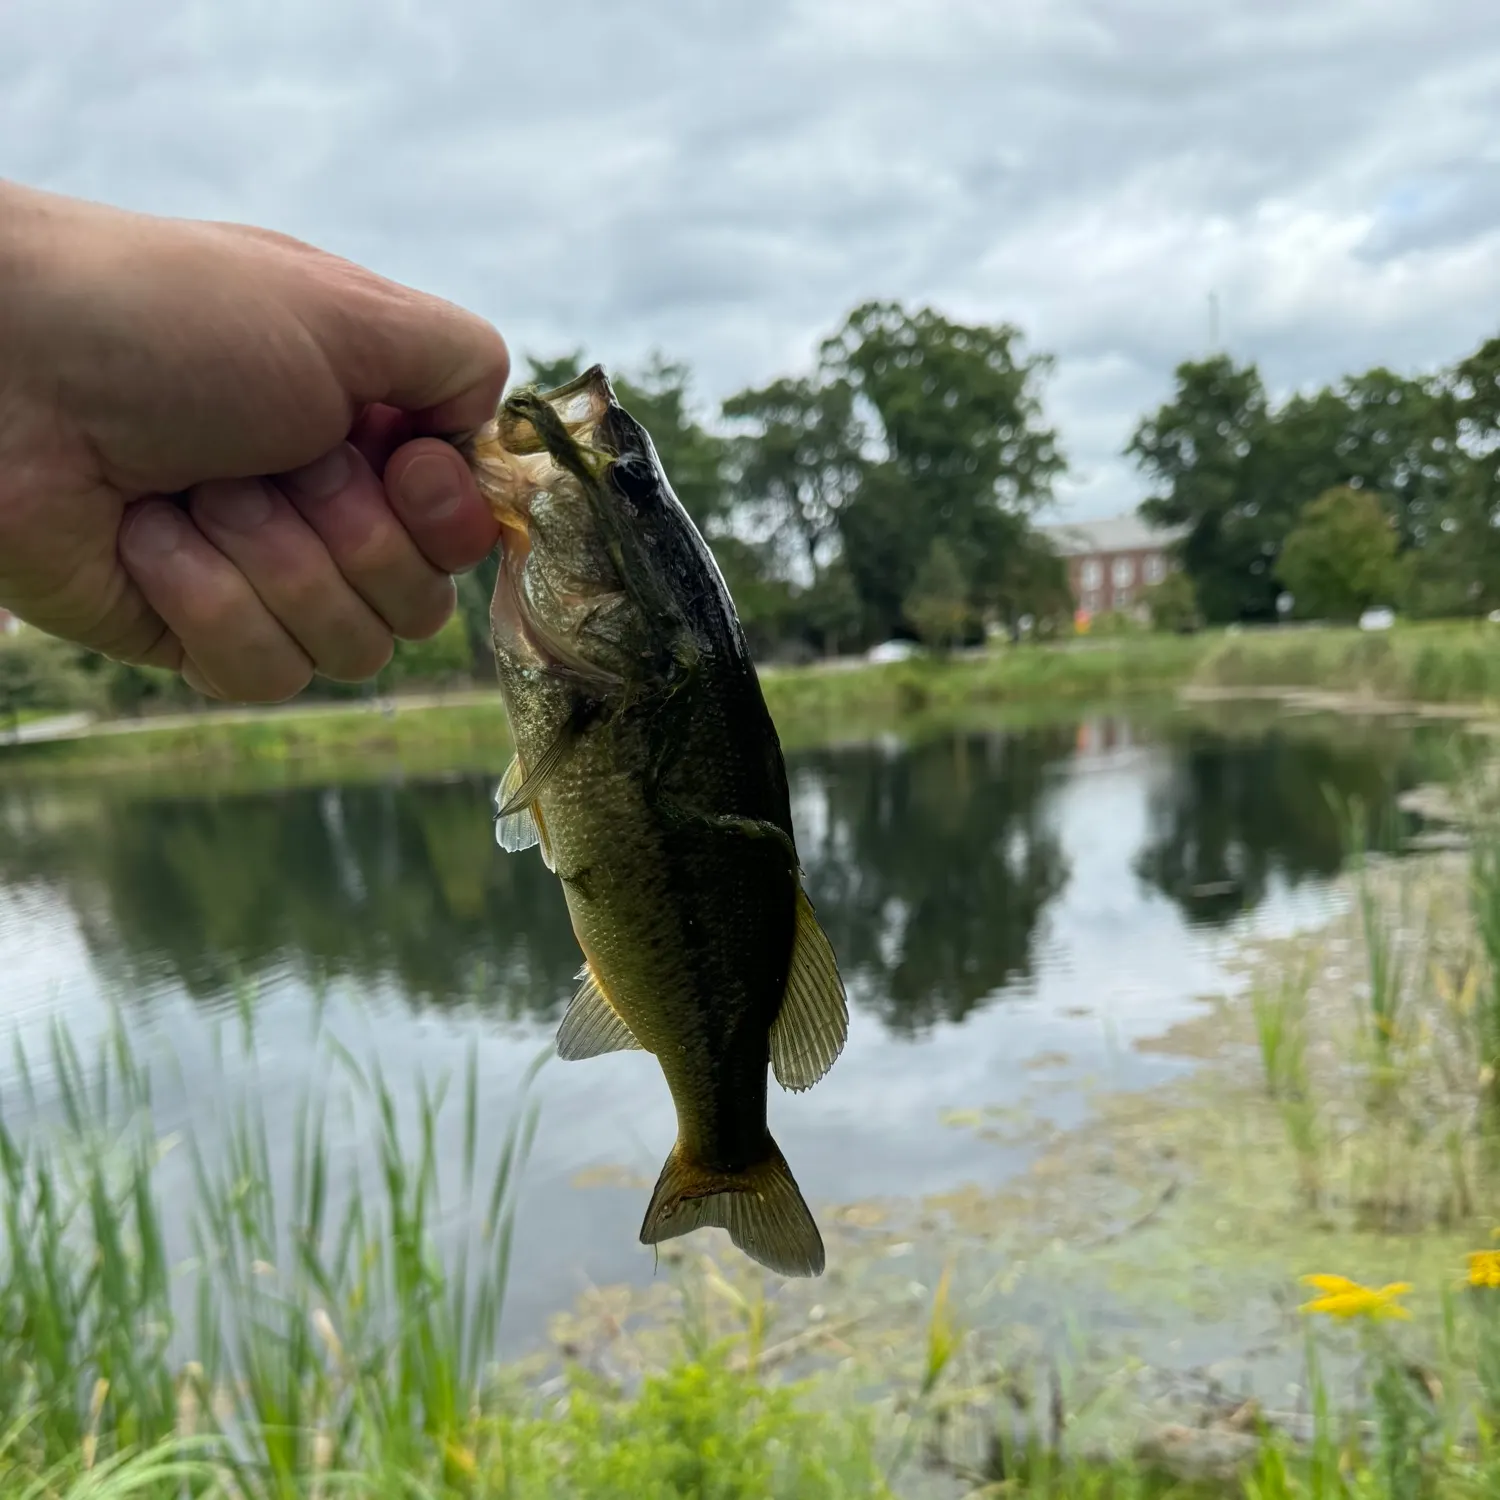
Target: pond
(1005, 901)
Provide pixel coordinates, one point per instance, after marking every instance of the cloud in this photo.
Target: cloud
(725, 181)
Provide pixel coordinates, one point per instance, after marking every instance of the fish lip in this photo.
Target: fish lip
(510, 459)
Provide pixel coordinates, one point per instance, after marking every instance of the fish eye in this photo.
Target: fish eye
(633, 478)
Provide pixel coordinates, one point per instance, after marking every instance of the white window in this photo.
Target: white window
(1091, 602)
(1123, 572)
(1122, 599)
(1156, 568)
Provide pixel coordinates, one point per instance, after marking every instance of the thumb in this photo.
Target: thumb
(390, 345)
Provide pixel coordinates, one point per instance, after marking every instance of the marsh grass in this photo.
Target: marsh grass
(1438, 662)
(316, 1342)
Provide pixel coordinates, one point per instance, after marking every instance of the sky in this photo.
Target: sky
(723, 182)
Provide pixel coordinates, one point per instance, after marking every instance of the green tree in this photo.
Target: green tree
(39, 672)
(1197, 448)
(1027, 577)
(963, 449)
(762, 600)
(831, 609)
(1458, 570)
(1173, 603)
(444, 657)
(937, 604)
(1341, 556)
(798, 463)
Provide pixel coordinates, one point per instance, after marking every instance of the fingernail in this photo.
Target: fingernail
(153, 532)
(234, 504)
(322, 478)
(429, 488)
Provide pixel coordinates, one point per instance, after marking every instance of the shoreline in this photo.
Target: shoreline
(1170, 1223)
(1442, 672)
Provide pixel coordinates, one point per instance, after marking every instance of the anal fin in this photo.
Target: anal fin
(761, 1207)
(592, 1025)
(813, 1024)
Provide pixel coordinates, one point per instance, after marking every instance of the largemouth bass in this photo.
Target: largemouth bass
(650, 775)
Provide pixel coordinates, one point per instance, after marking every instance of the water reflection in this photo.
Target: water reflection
(1233, 814)
(933, 867)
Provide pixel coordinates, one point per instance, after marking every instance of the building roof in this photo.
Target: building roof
(1127, 533)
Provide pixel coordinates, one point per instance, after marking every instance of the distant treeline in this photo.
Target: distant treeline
(1379, 489)
(891, 491)
(887, 492)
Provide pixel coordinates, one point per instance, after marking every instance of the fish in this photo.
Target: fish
(649, 775)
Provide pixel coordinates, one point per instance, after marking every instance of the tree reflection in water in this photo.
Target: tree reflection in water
(931, 866)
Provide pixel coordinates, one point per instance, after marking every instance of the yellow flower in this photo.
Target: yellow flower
(1342, 1298)
(1484, 1268)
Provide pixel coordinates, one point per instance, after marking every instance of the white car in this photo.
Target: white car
(892, 651)
(1379, 618)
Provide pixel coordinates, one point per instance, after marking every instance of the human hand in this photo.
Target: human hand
(219, 450)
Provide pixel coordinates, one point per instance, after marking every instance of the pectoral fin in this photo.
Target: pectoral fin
(528, 784)
(810, 1031)
(592, 1025)
(515, 830)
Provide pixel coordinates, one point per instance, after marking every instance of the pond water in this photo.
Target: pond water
(1001, 899)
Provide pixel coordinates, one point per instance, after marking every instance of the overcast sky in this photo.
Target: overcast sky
(724, 181)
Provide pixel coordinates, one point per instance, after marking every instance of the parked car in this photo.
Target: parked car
(892, 651)
(1379, 618)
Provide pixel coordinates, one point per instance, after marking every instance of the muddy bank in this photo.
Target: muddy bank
(1139, 1280)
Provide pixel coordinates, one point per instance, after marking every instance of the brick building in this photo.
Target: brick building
(1110, 562)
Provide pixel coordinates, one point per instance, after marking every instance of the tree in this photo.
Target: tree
(1197, 449)
(1238, 473)
(831, 609)
(1399, 440)
(1458, 570)
(959, 451)
(1173, 603)
(762, 600)
(445, 656)
(1341, 556)
(39, 672)
(937, 604)
(1027, 576)
(798, 463)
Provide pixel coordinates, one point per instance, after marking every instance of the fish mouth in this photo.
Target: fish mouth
(534, 439)
(538, 443)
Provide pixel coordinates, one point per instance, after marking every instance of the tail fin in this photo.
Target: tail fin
(761, 1207)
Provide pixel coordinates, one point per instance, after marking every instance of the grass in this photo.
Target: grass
(330, 1350)
(810, 705)
(299, 1350)
(1436, 663)
(1444, 662)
